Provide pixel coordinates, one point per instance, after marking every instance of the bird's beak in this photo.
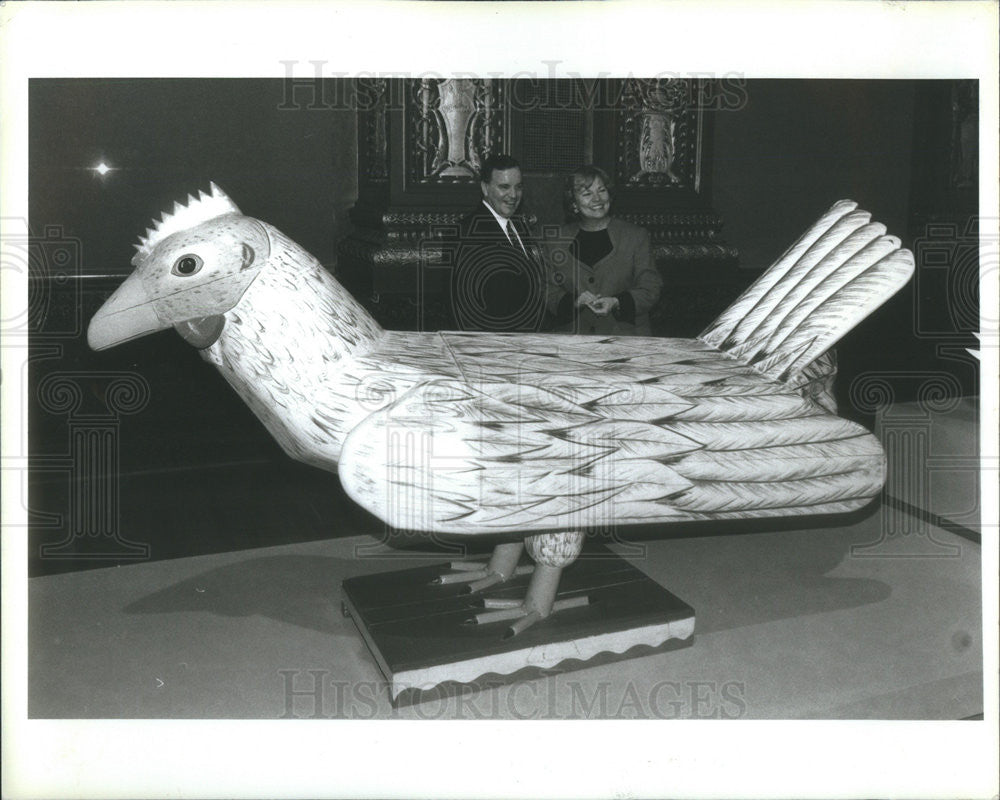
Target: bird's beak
(127, 314)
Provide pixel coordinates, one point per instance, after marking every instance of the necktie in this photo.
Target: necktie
(515, 240)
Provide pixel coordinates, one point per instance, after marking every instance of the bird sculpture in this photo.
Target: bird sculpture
(529, 438)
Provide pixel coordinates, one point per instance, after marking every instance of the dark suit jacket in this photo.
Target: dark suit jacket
(494, 286)
(627, 272)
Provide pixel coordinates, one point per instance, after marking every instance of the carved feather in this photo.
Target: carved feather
(739, 408)
(831, 279)
(843, 310)
(830, 243)
(798, 282)
(788, 462)
(751, 434)
(722, 496)
(715, 333)
(835, 279)
(549, 475)
(630, 439)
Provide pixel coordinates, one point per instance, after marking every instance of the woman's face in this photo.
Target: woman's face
(593, 200)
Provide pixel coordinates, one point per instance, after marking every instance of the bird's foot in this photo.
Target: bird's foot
(523, 615)
(477, 575)
(502, 566)
(537, 604)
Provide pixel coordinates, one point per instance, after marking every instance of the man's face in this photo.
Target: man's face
(503, 192)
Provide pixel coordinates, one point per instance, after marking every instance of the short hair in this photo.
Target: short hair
(497, 161)
(584, 175)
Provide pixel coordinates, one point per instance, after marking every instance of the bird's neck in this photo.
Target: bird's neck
(289, 348)
(295, 303)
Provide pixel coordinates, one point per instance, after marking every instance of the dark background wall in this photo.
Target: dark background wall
(797, 146)
(294, 167)
(196, 472)
(777, 161)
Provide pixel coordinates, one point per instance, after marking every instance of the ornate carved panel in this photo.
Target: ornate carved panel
(373, 130)
(964, 145)
(451, 126)
(658, 130)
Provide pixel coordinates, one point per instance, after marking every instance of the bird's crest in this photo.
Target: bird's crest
(198, 210)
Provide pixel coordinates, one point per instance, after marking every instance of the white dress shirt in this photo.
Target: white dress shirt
(506, 225)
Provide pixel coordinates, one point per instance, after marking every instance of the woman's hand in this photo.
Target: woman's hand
(602, 306)
(586, 299)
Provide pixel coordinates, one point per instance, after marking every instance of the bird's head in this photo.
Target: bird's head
(191, 267)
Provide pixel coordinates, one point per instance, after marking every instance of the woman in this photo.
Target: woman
(601, 276)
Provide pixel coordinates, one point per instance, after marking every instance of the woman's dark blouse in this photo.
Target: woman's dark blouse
(591, 246)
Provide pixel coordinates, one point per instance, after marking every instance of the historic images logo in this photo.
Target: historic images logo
(318, 694)
(914, 408)
(48, 269)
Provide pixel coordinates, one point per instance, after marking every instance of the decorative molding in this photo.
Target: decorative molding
(545, 658)
(390, 218)
(688, 228)
(390, 253)
(687, 219)
(724, 253)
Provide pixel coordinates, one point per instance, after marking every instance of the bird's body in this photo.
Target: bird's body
(480, 434)
(543, 432)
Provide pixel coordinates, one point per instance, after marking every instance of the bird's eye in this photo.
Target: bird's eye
(187, 265)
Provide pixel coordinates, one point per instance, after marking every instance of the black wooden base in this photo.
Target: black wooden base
(420, 635)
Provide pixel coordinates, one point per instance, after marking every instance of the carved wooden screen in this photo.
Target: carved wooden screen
(450, 127)
(657, 135)
(421, 143)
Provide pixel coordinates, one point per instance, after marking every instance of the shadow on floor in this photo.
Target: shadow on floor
(739, 581)
(732, 581)
(299, 590)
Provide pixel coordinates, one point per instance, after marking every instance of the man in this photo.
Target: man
(498, 281)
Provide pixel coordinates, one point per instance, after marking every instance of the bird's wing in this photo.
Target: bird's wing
(599, 432)
(451, 457)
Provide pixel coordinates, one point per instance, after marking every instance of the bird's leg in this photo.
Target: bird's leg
(501, 567)
(551, 552)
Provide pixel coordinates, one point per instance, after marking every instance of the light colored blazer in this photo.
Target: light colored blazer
(628, 268)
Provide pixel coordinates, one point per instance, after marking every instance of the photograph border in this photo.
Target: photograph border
(116, 758)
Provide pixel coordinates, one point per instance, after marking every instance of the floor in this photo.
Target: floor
(839, 622)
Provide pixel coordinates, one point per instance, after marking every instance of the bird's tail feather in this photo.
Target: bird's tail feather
(835, 275)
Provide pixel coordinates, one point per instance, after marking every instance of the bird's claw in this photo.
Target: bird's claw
(462, 572)
(477, 575)
(502, 566)
(493, 578)
(523, 615)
